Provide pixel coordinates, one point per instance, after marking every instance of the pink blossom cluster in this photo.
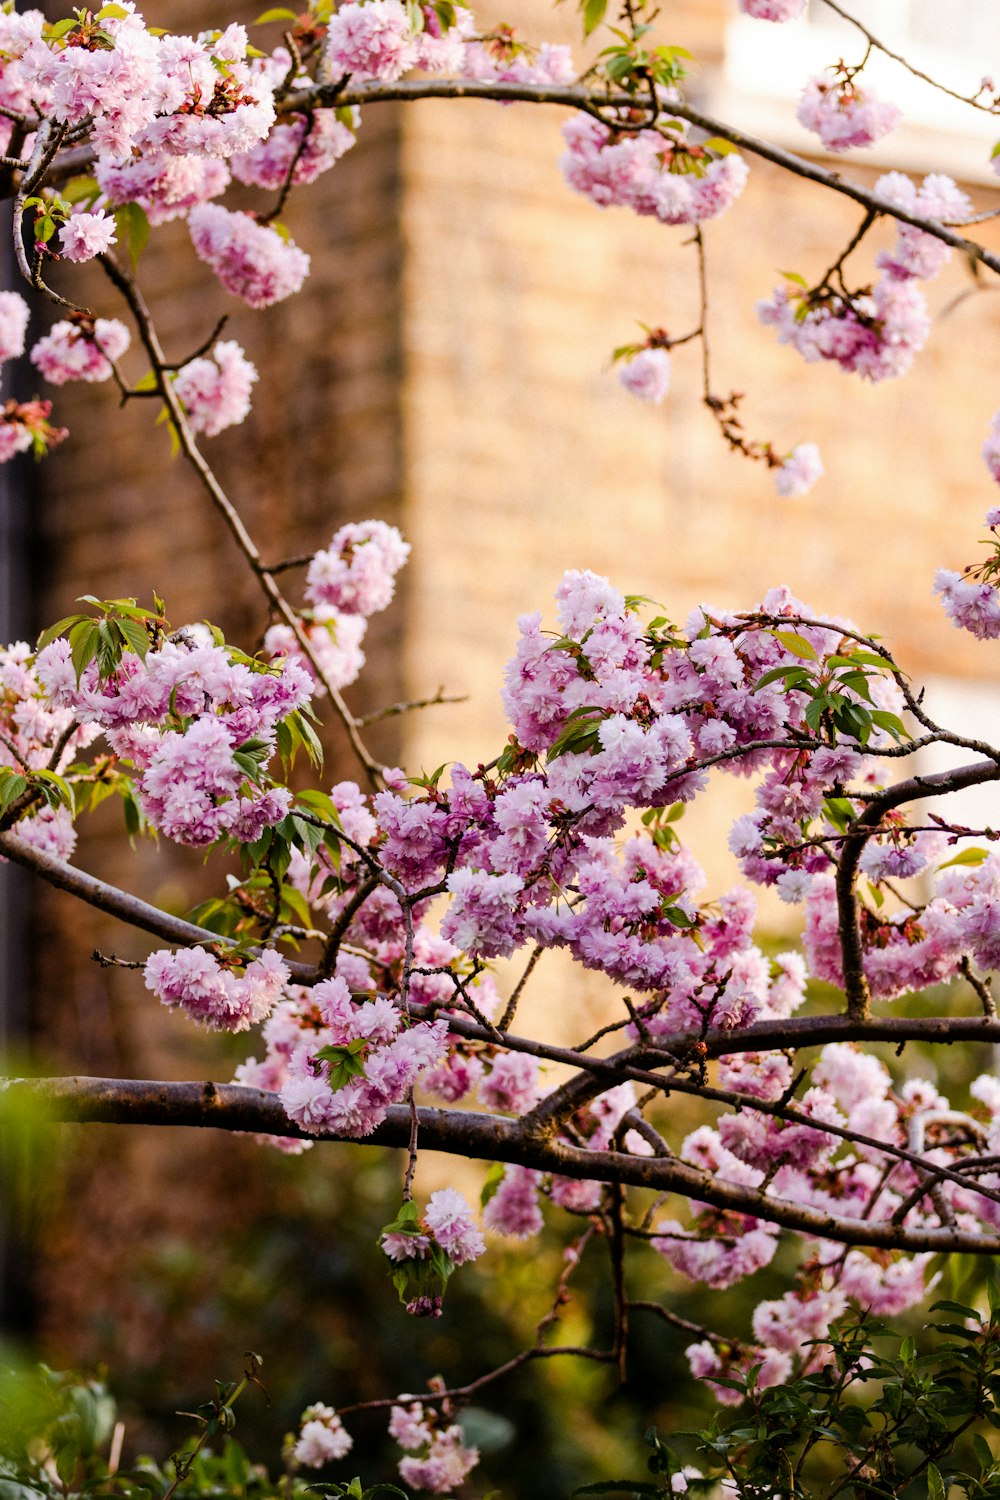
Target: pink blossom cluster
(437, 1458)
(843, 114)
(647, 375)
(137, 91)
(772, 10)
(446, 1222)
(875, 335)
(215, 391)
(251, 260)
(971, 604)
(180, 717)
(618, 732)
(31, 731)
(390, 1055)
(372, 40)
(25, 425)
(799, 471)
(917, 253)
(80, 348)
(669, 178)
(970, 599)
(210, 992)
(13, 325)
(164, 186)
(299, 150)
(357, 572)
(322, 1437)
(502, 59)
(347, 582)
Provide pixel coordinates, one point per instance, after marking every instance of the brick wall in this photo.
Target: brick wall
(446, 368)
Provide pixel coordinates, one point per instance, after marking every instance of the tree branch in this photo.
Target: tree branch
(480, 1136)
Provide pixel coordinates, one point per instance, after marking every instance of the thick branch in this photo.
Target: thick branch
(601, 104)
(480, 1136)
(116, 902)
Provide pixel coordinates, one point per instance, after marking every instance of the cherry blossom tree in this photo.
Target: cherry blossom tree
(383, 931)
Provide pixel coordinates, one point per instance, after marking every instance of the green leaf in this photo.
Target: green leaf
(891, 723)
(935, 1484)
(593, 14)
(48, 636)
(136, 635)
(276, 13)
(793, 676)
(83, 640)
(840, 811)
(346, 1062)
(795, 643)
(993, 1295)
(965, 857)
(494, 1177)
(319, 803)
(12, 785)
(982, 1450)
(133, 230)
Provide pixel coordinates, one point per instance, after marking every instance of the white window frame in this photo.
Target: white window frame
(766, 65)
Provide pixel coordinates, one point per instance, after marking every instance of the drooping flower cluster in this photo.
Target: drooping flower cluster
(875, 335)
(437, 1457)
(799, 471)
(669, 178)
(216, 392)
(843, 114)
(322, 1437)
(917, 253)
(349, 1062)
(252, 261)
(347, 582)
(80, 348)
(647, 375)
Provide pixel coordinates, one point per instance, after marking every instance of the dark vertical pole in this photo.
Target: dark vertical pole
(16, 1302)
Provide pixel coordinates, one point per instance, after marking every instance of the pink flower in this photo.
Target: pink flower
(799, 471)
(216, 392)
(357, 572)
(449, 1219)
(85, 235)
(322, 1437)
(843, 115)
(252, 261)
(772, 10)
(971, 606)
(647, 375)
(80, 349)
(270, 162)
(374, 40)
(13, 324)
